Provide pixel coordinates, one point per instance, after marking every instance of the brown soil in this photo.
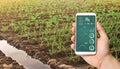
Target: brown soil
(8, 63)
(41, 52)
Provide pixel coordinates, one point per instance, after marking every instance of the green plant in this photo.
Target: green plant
(4, 28)
(52, 50)
(14, 27)
(49, 21)
(60, 46)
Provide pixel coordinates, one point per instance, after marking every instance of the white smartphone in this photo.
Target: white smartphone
(85, 34)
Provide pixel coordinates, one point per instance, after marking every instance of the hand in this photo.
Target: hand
(102, 47)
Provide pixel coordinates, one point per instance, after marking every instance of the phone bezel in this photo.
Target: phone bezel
(86, 53)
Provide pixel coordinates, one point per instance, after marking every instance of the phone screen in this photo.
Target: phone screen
(86, 33)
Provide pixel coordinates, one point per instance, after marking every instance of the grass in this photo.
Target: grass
(49, 21)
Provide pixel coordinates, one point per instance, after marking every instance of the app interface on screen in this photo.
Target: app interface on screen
(86, 37)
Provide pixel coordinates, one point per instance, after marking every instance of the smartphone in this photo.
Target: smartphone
(85, 34)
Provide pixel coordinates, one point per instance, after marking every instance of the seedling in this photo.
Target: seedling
(51, 20)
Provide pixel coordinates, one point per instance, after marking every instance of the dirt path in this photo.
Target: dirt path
(21, 57)
(8, 63)
(42, 54)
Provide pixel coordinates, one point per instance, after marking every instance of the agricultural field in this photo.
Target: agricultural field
(42, 28)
